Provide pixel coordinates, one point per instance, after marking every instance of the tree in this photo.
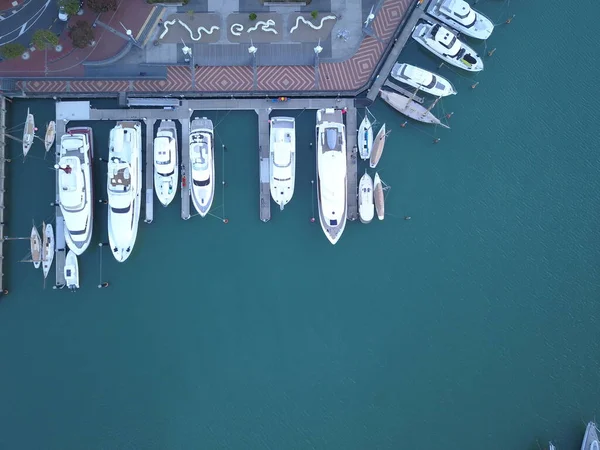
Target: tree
(10, 51)
(43, 39)
(100, 6)
(314, 14)
(252, 16)
(71, 7)
(82, 34)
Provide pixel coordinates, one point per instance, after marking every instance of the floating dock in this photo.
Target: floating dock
(2, 179)
(351, 163)
(59, 230)
(185, 168)
(149, 170)
(264, 165)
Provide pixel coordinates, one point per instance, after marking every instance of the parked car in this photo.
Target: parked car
(62, 14)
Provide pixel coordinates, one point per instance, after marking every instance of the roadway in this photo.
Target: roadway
(19, 24)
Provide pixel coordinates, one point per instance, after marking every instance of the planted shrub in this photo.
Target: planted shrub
(314, 14)
(252, 16)
(10, 51)
(82, 34)
(43, 39)
(71, 7)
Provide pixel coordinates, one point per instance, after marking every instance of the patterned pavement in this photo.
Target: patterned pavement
(347, 75)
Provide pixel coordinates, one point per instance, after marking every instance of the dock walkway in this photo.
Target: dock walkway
(352, 163)
(60, 253)
(185, 168)
(264, 164)
(149, 170)
(2, 187)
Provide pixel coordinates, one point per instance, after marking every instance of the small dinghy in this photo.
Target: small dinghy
(377, 150)
(365, 138)
(36, 247)
(28, 133)
(366, 208)
(72, 271)
(378, 197)
(50, 135)
(48, 249)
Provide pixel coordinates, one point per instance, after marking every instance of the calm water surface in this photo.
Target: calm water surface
(473, 325)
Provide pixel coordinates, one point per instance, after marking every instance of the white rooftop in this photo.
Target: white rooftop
(79, 110)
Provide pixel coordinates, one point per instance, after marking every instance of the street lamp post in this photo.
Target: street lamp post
(318, 49)
(129, 34)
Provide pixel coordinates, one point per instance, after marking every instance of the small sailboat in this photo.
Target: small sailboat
(28, 133)
(366, 207)
(36, 247)
(423, 80)
(590, 439)
(48, 248)
(378, 197)
(72, 271)
(365, 138)
(378, 145)
(50, 135)
(413, 110)
(551, 446)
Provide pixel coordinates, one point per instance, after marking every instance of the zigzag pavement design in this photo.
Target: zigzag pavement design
(347, 75)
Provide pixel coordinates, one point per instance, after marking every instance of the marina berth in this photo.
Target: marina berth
(423, 80)
(443, 43)
(75, 187)
(166, 166)
(331, 172)
(124, 186)
(202, 161)
(460, 16)
(282, 159)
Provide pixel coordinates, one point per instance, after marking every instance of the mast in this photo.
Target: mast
(411, 98)
(431, 107)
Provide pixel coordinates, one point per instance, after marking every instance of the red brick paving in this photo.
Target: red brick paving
(341, 76)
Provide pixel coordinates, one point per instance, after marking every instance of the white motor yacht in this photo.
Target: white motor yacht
(166, 167)
(202, 161)
(75, 187)
(124, 187)
(590, 439)
(71, 271)
(365, 138)
(331, 172)
(366, 207)
(423, 80)
(443, 42)
(460, 16)
(283, 159)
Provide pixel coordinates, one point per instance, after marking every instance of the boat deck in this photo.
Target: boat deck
(264, 164)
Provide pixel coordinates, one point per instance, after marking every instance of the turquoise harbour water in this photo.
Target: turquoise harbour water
(473, 325)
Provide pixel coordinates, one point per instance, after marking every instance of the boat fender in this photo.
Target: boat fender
(225, 221)
(5, 292)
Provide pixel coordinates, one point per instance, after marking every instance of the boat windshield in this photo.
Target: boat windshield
(201, 183)
(332, 140)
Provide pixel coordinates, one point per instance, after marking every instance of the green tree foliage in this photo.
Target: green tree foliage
(100, 6)
(43, 39)
(82, 34)
(10, 51)
(71, 7)
(314, 14)
(252, 16)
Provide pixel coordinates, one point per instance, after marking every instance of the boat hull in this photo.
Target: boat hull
(71, 271)
(410, 109)
(590, 439)
(28, 133)
(282, 159)
(203, 196)
(165, 186)
(50, 136)
(421, 35)
(76, 241)
(378, 145)
(36, 247)
(366, 207)
(365, 138)
(415, 77)
(481, 28)
(48, 250)
(378, 197)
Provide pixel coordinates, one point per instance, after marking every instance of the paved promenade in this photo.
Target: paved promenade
(346, 75)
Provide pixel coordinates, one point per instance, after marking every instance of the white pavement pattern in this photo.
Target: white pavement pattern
(351, 15)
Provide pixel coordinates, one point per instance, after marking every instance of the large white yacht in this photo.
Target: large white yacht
(460, 16)
(202, 161)
(422, 79)
(443, 42)
(124, 186)
(166, 168)
(75, 187)
(590, 440)
(283, 159)
(331, 172)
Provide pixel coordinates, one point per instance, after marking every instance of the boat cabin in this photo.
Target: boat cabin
(199, 157)
(444, 41)
(459, 11)
(164, 148)
(72, 184)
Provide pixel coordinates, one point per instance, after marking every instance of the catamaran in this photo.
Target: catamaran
(379, 197)
(28, 133)
(366, 208)
(378, 145)
(75, 187)
(50, 135)
(410, 108)
(365, 137)
(331, 172)
(124, 187)
(460, 16)
(47, 248)
(443, 42)
(202, 160)
(423, 80)
(166, 168)
(283, 159)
